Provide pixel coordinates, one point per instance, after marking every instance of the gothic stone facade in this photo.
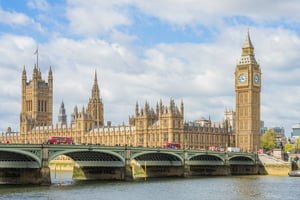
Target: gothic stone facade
(148, 127)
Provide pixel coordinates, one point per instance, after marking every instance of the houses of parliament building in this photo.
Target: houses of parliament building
(148, 127)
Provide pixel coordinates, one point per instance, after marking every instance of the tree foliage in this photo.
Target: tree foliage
(288, 147)
(268, 140)
(296, 146)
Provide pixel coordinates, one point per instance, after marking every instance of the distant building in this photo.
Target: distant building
(278, 131)
(263, 129)
(280, 137)
(202, 121)
(229, 115)
(295, 130)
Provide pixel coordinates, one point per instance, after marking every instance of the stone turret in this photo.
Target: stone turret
(37, 98)
(166, 120)
(95, 106)
(84, 121)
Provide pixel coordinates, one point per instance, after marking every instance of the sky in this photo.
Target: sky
(149, 51)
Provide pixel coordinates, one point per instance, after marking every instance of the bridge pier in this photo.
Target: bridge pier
(209, 170)
(186, 166)
(45, 177)
(227, 163)
(164, 171)
(25, 172)
(244, 169)
(128, 168)
(37, 176)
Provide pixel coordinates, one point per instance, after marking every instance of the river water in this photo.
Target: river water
(220, 188)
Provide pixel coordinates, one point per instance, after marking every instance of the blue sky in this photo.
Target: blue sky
(150, 50)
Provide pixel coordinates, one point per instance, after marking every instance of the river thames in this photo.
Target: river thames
(226, 187)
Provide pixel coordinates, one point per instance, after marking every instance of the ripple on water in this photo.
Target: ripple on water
(225, 188)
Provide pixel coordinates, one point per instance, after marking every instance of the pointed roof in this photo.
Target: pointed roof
(95, 81)
(62, 105)
(248, 43)
(76, 109)
(50, 70)
(95, 89)
(24, 70)
(95, 76)
(248, 56)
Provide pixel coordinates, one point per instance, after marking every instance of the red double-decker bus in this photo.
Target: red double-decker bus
(60, 140)
(171, 145)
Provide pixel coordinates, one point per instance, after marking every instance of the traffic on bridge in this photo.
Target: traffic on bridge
(20, 162)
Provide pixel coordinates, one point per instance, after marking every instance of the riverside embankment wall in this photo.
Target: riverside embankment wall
(273, 166)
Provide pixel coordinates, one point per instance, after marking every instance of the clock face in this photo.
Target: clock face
(242, 78)
(256, 78)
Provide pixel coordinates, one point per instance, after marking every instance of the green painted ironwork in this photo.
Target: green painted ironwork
(116, 156)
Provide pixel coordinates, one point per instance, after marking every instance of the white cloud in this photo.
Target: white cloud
(14, 18)
(16, 51)
(192, 12)
(93, 17)
(38, 4)
(201, 74)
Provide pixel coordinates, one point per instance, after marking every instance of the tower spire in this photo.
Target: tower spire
(248, 43)
(95, 90)
(248, 56)
(24, 74)
(37, 56)
(95, 106)
(95, 79)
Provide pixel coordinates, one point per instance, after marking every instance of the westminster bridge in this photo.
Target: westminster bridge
(28, 163)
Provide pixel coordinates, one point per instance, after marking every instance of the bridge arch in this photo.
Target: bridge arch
(93, 164)
(157, 164)
(206, 159)
(158, 158)
(93, 157)
(14, 158)
(241, 160)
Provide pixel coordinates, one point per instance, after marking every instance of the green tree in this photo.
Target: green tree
(267, 140)
(297, 145)
(288, 148)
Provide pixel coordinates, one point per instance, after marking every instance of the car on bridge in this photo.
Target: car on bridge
(171, 145)
(60, 140)
(216, 148)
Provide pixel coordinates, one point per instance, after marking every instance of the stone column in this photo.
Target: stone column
(227, 163)
(45, 178)
(128, 168)
(186, 165)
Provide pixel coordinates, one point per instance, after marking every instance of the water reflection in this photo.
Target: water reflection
(249, 187)
(61, 177)
(225, 188)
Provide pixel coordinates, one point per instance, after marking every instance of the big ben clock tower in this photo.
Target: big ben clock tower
(247, 88)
